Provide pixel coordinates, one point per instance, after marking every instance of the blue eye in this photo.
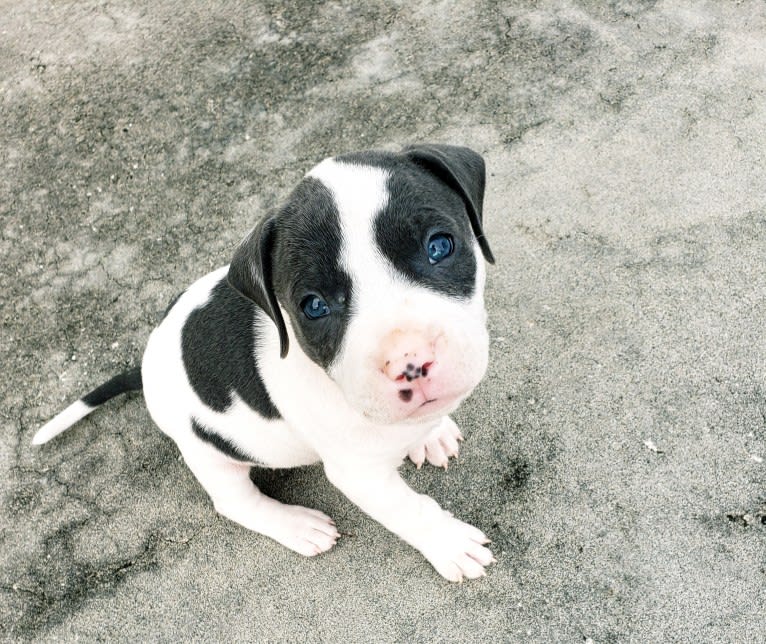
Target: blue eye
(440, 246)
(314, 307)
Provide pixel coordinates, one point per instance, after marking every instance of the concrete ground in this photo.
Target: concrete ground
(616, 451)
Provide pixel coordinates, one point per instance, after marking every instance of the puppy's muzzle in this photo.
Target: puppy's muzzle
(410, 363)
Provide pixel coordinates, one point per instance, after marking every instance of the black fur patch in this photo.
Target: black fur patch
(220, 443)
(127, 381)
(307, 261)
(218, 344)
(419, 206)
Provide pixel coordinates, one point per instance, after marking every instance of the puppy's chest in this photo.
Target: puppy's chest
(317, 410)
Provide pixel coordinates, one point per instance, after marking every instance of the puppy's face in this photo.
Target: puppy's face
(376, 262)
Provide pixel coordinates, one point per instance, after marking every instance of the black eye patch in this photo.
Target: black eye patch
(310, 284)
(320, 322)
(425, 233)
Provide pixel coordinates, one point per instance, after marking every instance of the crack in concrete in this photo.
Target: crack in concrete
(58, 595)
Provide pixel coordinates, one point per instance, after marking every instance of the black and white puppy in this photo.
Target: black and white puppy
(361, 327)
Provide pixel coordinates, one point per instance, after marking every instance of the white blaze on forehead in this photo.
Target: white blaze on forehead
(360, 193)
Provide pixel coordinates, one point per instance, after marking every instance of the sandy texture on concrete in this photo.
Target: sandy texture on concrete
(616, 451)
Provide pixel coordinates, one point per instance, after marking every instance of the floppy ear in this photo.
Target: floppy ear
(463, 171)
(250, 273)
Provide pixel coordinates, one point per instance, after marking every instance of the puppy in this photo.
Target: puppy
(347, 327)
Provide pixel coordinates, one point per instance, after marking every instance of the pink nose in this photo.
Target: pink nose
(408, 356)
(410, 372)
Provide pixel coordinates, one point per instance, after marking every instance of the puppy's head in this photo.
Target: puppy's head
(376, 259)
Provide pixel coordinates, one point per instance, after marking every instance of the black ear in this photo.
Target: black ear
(250, 273)
(463, 171)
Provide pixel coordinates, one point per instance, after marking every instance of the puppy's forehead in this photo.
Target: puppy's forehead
(359, 190)
(387, 206)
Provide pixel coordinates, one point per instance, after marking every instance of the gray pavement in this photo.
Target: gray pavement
(616, 451)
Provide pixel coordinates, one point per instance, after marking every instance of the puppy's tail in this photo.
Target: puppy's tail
(127, 381)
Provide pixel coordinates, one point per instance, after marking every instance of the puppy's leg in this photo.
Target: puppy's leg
(454, 548)
(441, 443)
(306, 531)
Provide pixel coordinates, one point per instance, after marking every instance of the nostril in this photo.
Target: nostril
(405, 395)
(410, 371)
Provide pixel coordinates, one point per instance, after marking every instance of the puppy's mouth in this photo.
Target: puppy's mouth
(423, 409)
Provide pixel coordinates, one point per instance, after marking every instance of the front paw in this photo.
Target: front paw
(457, 549)
(440, 444)
(307, 531)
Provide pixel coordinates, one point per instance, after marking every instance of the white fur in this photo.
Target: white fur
(76, 411)
(441, 444)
